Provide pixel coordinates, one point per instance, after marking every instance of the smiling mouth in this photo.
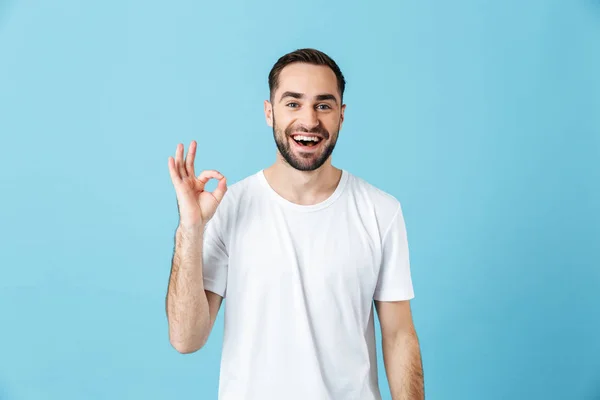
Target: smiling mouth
(307, 140)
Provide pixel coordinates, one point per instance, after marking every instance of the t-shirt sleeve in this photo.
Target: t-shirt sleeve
(394, 281)
(214, 258)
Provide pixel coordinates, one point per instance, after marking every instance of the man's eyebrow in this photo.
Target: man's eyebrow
(320, 97)
(327, 96)
(295, 95)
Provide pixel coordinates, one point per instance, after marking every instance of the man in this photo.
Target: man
(301, 250)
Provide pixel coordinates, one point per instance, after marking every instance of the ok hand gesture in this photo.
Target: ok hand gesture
(196, 206)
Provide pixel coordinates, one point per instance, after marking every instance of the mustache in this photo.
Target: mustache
(319, 130)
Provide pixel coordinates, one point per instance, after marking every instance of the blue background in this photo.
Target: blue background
(482, 117)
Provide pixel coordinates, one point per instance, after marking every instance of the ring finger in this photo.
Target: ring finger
(180, 162)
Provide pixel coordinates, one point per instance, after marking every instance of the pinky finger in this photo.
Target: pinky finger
(175, 177)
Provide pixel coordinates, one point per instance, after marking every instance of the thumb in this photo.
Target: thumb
(219, 192)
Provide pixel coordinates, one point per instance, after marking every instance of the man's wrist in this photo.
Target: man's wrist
(191, 229)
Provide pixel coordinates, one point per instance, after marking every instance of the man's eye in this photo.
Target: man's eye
(323, 107)
(292, 104)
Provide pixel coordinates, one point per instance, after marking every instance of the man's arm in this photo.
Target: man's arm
(191, 311)
(401, 350)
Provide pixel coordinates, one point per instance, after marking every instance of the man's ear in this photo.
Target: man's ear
(269, 113)
(342, 115)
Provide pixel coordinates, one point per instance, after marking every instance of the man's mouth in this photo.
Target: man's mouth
(307, 140)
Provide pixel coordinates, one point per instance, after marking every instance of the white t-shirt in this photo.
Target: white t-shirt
(299, 284)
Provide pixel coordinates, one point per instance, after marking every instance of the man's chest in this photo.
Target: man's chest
(330, 252)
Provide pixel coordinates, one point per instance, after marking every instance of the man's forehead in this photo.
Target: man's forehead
(307, 79)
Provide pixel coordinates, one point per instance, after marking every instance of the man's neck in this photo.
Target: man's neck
(303, 187)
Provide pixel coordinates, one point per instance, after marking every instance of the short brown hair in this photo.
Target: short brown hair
(308, 56)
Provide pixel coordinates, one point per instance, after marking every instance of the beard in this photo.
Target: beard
(304, 161)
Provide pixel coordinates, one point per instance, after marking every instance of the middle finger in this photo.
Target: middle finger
(189, 160)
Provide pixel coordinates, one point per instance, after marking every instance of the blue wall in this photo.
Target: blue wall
(483, 118)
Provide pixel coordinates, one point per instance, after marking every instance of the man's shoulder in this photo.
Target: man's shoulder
(241, 186)
(377, 202)
(240, 193)
(236, 197)
(379, 198)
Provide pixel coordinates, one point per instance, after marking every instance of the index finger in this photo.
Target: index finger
(209, 174)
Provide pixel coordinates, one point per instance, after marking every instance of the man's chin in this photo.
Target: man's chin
(307, 164)
(300, 160)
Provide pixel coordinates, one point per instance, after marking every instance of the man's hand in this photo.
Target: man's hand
(196, 206)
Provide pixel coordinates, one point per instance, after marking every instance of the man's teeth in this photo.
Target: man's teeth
(307, 138)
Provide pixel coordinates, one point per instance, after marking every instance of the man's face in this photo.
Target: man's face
(306, 115)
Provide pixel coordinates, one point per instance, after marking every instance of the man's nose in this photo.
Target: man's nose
(310, 118)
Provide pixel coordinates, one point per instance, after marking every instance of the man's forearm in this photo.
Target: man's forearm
(404, 368)
(187, 306)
